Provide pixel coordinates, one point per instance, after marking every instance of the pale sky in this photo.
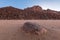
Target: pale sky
(51, 4)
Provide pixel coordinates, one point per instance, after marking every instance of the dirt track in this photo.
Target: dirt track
(10, 30)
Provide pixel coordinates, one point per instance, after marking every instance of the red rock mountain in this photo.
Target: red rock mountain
(35, 9)
(35, 12)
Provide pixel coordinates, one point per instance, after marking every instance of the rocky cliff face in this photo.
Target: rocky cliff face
(35, 12)
(35, 9)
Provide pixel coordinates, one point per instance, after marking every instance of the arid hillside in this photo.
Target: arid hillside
(35, 12)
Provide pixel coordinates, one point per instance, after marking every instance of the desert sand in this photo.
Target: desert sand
(11, 30)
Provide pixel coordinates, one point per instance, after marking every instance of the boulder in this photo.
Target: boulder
(33, 28)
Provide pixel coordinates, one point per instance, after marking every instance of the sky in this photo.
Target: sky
(45, 4)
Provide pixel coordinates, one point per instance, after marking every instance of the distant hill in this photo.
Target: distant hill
(35, 12)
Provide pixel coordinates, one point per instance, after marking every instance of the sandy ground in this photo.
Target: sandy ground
(10, 30)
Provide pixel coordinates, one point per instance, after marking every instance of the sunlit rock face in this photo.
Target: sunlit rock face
(51, 11)
(35, 8)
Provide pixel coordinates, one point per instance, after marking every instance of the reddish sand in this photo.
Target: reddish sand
(10, 30)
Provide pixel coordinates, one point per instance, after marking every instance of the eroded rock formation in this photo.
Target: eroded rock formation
(35, 12)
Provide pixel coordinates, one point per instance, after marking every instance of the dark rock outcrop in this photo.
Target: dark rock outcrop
(32, 28)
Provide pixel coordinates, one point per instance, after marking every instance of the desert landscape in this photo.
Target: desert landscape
(11, 30)
(29, 19)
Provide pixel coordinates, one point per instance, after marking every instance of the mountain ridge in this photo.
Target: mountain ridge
(34, 12)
